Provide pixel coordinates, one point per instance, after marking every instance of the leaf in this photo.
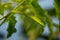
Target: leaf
(11, 27)
(37, 20)
(57, 7)
(1, 9)
(33, 23)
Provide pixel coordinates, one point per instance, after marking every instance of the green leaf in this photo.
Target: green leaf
(57, 7)
(1, 9)
(33, 23)
(11, 27)
(37, 20)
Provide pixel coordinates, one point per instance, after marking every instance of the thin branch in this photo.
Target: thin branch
(11, 11)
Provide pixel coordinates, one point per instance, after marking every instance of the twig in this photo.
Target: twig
(11, 11)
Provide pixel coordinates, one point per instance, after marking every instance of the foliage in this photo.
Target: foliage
(34, 17)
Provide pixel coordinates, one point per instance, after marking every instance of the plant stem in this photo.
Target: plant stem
(11, 11)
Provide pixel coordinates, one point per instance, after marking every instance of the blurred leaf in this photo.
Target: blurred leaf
(33, 23)
(10, 17)
(37, 20)
(11, 27)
